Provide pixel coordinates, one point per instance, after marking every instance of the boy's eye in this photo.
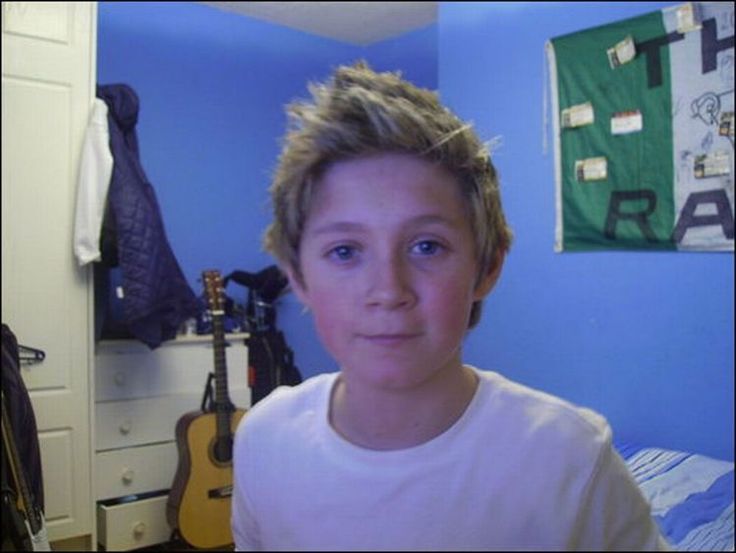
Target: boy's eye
(426, 247)
(342, 252)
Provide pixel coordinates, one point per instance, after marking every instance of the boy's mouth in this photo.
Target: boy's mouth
(389, 339)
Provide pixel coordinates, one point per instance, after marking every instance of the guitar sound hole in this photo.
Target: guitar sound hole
(223, 450)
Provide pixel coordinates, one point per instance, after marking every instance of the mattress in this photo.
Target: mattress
(691, 495)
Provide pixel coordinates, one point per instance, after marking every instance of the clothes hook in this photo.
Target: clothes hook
(29, 355)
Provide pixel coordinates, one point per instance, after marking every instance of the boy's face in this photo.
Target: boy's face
(389, 268)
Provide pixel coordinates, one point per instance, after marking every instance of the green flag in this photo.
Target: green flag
(644, 132)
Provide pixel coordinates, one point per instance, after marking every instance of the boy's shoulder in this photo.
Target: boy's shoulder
(528, 412)
(287, 402)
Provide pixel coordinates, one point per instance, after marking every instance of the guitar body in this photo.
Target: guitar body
(199, 501)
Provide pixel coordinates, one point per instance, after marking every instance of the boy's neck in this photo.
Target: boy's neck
(381, 420)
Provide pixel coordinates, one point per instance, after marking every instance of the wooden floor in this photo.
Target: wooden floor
(83, 543)
(178, 545)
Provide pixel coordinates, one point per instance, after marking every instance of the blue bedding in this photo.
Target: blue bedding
(692, 496)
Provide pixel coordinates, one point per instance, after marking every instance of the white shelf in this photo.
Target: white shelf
(181, 339)
(189, 338)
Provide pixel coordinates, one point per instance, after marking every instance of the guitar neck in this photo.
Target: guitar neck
(223, 407)
(222, 395)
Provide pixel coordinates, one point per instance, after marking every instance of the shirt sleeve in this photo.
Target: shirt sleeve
(95, 170)
(243, 515)
(615, 515)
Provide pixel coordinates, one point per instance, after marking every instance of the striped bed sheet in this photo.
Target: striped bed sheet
(692, 495)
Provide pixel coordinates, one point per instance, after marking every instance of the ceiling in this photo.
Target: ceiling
(359, 23)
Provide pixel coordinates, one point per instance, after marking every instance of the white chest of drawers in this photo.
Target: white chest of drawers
(140, 394)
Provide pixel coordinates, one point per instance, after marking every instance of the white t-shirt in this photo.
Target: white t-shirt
(520, 469)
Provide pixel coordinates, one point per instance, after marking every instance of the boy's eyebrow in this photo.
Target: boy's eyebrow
(433, 219)
(419, 220)
(338, 226)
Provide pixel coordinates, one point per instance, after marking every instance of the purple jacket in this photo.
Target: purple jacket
(157, 297)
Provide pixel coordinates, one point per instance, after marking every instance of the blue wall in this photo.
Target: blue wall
(212, 88)
(644, 338)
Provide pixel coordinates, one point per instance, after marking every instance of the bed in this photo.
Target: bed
(692, 495)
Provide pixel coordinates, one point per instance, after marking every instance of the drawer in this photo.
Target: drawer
(135, 470)
(152, 420)
(134, 524)
(127, 369)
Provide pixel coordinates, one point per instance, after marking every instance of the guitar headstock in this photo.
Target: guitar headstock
(213, 288)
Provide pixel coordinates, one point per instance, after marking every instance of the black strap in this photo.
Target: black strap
(12, 518)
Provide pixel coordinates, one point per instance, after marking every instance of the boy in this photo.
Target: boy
(388, 223)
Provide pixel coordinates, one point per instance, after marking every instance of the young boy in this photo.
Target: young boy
(388, 222)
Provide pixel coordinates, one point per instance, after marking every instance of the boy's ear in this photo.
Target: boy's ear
(296, 284)
(489, 280)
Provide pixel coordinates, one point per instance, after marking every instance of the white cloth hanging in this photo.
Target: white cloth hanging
(94, 180)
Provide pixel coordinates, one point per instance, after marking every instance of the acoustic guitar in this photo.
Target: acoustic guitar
(200, 496)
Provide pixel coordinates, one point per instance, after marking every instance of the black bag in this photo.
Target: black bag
(22, 422)
(270, 363)
(21, 415)
(270, 359)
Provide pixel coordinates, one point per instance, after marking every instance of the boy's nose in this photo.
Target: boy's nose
(390, 285)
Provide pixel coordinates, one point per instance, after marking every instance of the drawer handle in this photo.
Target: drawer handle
(128, 476)
(125, 427)
(139, 529)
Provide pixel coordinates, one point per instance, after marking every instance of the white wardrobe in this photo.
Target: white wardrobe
(48, 64)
